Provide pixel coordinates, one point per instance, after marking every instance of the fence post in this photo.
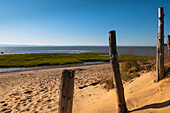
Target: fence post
(66, 92)
(160, 46)
(116, 73)
(168, 44)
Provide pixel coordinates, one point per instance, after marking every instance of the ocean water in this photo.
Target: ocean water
(135, 50)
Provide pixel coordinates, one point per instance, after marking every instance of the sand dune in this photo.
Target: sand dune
(142, 95)
(37, 91)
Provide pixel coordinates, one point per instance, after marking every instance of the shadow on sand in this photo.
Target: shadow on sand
(156, 105)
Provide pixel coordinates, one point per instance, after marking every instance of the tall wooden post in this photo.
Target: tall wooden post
(160, 46)
(66, 92)
(168, 44)
(116, 73)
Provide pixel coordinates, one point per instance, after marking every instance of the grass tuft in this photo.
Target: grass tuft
(109, 84)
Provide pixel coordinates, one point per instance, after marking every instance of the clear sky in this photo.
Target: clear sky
(81, 22)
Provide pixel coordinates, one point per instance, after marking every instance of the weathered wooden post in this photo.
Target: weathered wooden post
(116, 73)
(66, 92)
(160, 46)
(168, 44)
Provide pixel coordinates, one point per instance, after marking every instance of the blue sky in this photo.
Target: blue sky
(81, 22)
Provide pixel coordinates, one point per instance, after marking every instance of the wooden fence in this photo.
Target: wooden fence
(116, 73)
(160, 46)
(66, 93)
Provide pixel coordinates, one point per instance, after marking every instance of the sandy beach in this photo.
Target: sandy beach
(37, 91)
(84, 56)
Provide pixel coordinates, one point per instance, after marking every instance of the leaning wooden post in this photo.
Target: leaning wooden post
(168, 44)
(160, 46)
(116, 73)
(66, 92)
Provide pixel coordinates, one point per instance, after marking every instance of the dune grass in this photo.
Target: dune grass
(133, 64)
(131, 67)
(143, 59)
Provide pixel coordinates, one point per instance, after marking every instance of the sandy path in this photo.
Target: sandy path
(38, 91)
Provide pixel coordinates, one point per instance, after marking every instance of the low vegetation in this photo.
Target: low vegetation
(49, 59)
(109, 83)
(134, 64)
(131, 67)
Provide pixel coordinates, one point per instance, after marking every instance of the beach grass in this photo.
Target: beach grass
(50, 59)
(134, 64)
(143, 59)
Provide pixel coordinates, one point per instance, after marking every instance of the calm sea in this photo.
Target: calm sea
(146, 51)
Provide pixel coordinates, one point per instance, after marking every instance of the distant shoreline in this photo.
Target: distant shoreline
(20, 45)
(135, 50)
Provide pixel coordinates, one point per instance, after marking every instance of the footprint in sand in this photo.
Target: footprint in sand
(49, 100)
(17, 98)
(6, 110)
(49, 107)
(2, 102)
(5, 104)
(39, 100)
(28, 92)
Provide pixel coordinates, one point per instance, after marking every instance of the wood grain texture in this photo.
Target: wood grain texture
(160, 46)
(116, 73)
(66, 93)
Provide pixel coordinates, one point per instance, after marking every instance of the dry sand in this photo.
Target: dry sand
(38, 91)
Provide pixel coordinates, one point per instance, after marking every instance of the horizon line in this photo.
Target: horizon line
(20, 44)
